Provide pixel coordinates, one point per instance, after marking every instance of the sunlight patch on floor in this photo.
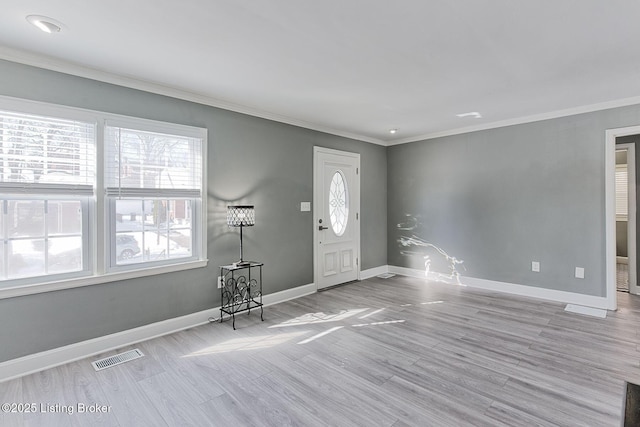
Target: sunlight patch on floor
(388, 322)
(247, 343)
(371, 314)
(320, 335)
(313, 318)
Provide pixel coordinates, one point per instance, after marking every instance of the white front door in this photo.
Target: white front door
(336, 215)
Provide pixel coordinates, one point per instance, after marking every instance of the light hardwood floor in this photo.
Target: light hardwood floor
(394, 352)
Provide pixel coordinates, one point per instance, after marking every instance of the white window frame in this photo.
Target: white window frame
(197, 223)
(97, 214)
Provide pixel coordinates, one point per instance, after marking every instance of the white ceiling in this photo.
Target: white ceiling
(351, 67)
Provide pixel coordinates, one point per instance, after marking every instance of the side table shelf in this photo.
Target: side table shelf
(241, 289)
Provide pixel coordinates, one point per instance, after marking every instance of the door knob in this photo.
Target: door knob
(322, 228)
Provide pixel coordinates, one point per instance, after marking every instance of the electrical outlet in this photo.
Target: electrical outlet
(535, 266)
(579, 273)
(220, 281)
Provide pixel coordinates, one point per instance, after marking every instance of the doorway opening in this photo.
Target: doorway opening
(625, 195)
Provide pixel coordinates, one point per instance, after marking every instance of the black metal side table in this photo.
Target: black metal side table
(241, 289)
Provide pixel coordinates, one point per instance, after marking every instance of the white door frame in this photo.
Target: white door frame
(355, 202)
(631, 215)
(610, 210)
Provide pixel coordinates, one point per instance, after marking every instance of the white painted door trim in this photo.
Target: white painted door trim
(631, 220)
(610, 209)
(355, 202)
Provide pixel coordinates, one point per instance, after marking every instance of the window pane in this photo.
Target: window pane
(129, 215)
(64, 217)
(152, 230)
(338, 203)
(180, 228)
(25, 258)
(155, 245)
(39, 149)
(180, 243)
(180, 214)
(65, 254)
(152, 160)
(25, 218)
(622, 193)
(29, 229)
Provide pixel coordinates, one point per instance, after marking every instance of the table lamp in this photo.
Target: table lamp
(241, 216)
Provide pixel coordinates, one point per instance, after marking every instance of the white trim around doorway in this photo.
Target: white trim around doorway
(610, 210)
(631, 215)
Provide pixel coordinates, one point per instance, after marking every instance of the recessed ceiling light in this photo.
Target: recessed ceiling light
(45, 24)
(393, 131)
(473, 114)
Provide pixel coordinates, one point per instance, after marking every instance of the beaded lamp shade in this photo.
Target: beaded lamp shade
(241, 216)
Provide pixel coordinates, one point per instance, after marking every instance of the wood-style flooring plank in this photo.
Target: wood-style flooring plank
(48, 391)
(131, 404)
(175, 401)
(515, 417)
(10, 393)
(438, 409)
(198, 381)
(332, 389)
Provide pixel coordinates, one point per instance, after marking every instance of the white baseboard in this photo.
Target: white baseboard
(289, 294)
(510, 288)
(542, 293)
(37, 362)
(410, 272)
(587, 311)
(373, 272)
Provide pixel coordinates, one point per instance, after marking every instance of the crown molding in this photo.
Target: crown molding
(67, 67)
(522, 120)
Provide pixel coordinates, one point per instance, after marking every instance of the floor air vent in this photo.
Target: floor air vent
(385, 276)
(118, 359)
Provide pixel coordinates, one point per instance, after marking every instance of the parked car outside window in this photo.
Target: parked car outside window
(126, 246)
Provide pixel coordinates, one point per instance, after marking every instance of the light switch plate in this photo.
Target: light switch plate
(579, 273)
(305, 206)
(535, 266)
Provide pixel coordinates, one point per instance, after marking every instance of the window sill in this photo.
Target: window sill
(19, 291)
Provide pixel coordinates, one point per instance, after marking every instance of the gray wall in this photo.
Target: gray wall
(501, 198)
(250, 160)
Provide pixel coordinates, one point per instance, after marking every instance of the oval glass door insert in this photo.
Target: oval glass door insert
(338, 203)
